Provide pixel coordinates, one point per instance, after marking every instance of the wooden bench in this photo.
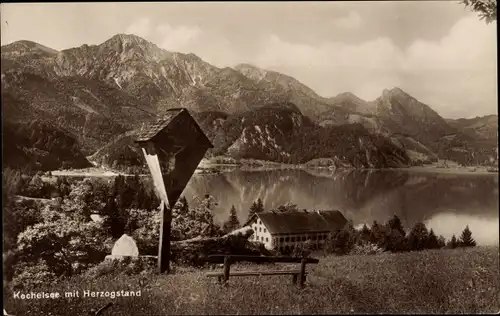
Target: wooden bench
(227, 260)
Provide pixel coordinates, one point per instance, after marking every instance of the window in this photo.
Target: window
(260, 229)
(281, 239)
(265, 230)
(287, 239)
(292, 239)
(267, 239)
(261, 238)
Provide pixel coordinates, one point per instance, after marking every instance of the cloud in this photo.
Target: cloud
(364, 69)
(456, 75)
(141, 27)
(351, 21)
(177, 38)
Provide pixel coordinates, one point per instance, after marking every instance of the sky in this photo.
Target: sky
(437, 51)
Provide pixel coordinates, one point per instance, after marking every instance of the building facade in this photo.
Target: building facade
(283, 231)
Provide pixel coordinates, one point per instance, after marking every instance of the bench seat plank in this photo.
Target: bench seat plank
(249, 273)
(259, 259)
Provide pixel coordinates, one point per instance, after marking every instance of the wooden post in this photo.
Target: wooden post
(227, 267)
(164, 240)
(302, 272)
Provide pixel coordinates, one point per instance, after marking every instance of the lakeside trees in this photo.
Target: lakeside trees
(392, 237)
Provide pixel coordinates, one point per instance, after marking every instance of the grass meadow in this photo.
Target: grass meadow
(464, 280)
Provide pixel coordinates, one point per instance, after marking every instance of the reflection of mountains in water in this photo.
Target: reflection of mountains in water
(362, 195)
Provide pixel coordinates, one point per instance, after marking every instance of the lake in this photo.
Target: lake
(444, 202)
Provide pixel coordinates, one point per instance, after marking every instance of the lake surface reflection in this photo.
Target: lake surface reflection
(445, 202)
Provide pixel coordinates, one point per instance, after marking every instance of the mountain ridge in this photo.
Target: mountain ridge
(127, 79)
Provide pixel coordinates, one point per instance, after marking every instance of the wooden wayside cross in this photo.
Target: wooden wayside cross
(173, 146)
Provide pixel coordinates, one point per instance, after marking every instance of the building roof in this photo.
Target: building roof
(302, 221)
(149, 130)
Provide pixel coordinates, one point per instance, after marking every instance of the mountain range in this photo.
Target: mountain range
(97, 95)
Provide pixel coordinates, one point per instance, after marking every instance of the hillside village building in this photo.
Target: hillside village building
(284, 230)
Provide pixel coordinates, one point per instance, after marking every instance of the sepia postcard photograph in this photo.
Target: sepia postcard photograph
(250, 158)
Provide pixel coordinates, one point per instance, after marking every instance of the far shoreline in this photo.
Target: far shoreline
(216, 168)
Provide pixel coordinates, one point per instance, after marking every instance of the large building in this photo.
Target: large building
(284, 230)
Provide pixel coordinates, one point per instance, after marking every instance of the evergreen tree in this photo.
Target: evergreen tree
(432, 241)
(257, 207)
(377, 234)
(114, 222)
(395, 236)
(466, 239)
(395, 241)
(418, 237)
(453, 243)
(395, 224)
(365, 233)
(232, 223)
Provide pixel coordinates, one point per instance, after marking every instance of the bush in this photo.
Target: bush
(303, 250)
(342, 241)
(62, 243)
(33, 275)
(127, 266)
(366, 248)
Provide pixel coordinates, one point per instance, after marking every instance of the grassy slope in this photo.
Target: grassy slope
(441, 281)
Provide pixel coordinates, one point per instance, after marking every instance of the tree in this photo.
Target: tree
(441, 241)
(198, 221)
(395, 236)
(395, 241)
(81, 202)
(417, 239)
(257, 207)
(487, 9)
(377, 234)
(395, 224)
(232, 223)
(432, 241)
(343, 240)
(453, 243)
(365, 234)
(114, 223)
(12, 183)
(466, 239)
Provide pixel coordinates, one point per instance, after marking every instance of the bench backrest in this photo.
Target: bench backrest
(260, 259)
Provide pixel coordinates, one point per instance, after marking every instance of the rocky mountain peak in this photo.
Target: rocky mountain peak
(395, 92)
(24, 47)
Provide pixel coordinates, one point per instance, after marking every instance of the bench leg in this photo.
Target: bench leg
(294, 279)
(302, 281)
